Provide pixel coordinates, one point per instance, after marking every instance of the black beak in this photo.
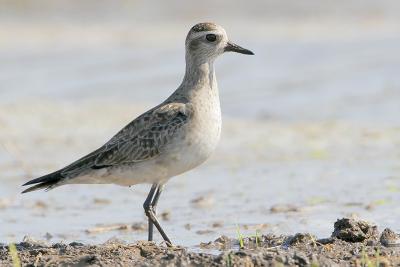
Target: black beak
(231, 47)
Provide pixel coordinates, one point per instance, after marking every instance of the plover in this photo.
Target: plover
(176, 136)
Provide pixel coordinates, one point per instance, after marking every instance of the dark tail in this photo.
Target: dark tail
(45, 182)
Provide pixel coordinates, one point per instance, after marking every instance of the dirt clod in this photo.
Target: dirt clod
(204, 232)
(203, 202)
(389, 238)
(165, 215)
(217, 224)
(284, 208)
(301, 239)
(351, 230)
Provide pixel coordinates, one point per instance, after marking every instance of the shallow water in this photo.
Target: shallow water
(311, 122)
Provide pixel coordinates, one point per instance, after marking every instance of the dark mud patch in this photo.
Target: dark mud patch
(355, 231)
(353, 243)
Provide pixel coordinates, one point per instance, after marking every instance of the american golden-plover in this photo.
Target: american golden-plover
(169, 139)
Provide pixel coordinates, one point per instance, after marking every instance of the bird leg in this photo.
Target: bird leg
(151, 201)
(150, 210)
(146, 206)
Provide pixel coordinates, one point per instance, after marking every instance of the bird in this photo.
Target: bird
(172, 138)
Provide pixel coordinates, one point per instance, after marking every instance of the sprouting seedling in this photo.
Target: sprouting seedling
(257, 238)
(229, 260)
(240, 237)
(14, 255)
(314, 241)
(365, 261)
(363, 257)
(377, 255)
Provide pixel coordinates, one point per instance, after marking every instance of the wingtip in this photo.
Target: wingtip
(51, 177)
(46, 186)
(27, 183)
(30, 189)
(25, 191)
(35, 181)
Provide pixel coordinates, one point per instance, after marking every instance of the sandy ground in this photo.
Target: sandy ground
(352, 243)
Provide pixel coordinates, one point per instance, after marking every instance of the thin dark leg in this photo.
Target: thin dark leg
(154, 205)
(149, 208)
(157, 196)
(146, 206)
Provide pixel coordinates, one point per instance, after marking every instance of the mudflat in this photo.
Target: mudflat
(352, 243)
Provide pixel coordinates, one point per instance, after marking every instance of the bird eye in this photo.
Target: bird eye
(211, 37)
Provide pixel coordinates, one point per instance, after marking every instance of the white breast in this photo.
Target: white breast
(207, 121)
(201, 136)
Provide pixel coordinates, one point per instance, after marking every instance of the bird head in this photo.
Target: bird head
(207, 41)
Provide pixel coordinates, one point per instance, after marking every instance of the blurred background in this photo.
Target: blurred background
(311, 127)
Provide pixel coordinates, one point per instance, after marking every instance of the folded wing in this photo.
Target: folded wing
(142, 139)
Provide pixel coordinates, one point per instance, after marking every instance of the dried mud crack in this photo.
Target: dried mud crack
(353, 243)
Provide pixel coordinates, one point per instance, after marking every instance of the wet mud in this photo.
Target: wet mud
(352, 243)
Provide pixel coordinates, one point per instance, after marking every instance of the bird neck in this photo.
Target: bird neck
(199, 73)
(199, 79)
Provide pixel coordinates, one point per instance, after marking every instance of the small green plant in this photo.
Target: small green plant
(278, 264)
(314, 264)
(257, 238)
(377, 255)
(366, 261)
(14, 255)
(229, 260)
(240, 237)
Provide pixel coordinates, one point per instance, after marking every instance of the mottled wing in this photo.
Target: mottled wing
(142, 139)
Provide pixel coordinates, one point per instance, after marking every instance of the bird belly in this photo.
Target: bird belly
(196, 147)
(189, 149)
